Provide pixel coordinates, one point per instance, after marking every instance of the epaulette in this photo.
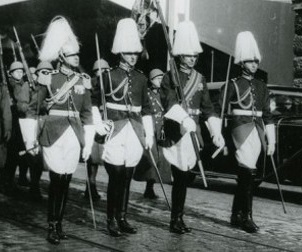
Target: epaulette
(86, 80)
(138, 70)
(45, 76)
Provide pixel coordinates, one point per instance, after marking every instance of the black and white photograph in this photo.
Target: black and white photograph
(151, 125)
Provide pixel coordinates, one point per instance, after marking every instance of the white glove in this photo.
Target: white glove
(271, 138)
(214, 125)
(89, 131)
(218, 141)
(149, 142)
(149, 131)
(270, 149)
(188, 125)
(102, 129)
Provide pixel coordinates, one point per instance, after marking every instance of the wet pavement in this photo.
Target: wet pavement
(23, 225)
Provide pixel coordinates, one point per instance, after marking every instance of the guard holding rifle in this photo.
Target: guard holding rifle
(20, 93)
(128, 107)
(68, 127)
(179, 122)
(248, 100)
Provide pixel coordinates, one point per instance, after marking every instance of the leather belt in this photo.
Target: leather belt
(242, 112)
(123, 107)
(69, 113)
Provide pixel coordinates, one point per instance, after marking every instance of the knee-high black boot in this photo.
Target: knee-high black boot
(92, 170)
(236, 217)
(178, 199)
(114, 183)
(35, 169)
(248, 176)
(124, 225)
(52, 220)
(149, 191)
(65, 180)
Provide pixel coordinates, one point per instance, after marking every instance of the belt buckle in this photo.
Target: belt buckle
(70, 113)
(128, 107)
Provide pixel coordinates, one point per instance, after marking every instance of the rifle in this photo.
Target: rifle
(25, 65)
(14, 52)
(179, 89)
(35, 43)
(3, 75)
(100, 75)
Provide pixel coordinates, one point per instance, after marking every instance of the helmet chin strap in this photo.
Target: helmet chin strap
(246, 71)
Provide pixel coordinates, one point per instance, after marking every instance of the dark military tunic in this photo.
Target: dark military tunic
(198, 104)
(247, 101)
(198, 99)
(144, 170)
(126, 103)
(78, 99)
(250, 95)
(62, 131)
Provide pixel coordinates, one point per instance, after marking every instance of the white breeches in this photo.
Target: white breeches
(63, 156)
(182, 154)
(124, 148)
(248, 153)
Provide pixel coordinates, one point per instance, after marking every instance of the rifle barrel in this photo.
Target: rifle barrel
(25, 65)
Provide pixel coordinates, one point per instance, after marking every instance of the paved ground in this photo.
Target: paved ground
(23, 223)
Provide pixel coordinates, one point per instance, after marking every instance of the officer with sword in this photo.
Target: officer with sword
(127, 105)
(247, 100)
(68, 128)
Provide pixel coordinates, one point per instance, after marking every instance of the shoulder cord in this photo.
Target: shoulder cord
(62, 95)
(124, 83)
(240, 99)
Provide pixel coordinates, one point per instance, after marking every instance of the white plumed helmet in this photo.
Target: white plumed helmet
(186, 40)
(126, 37)
(59, 40)
(246, 47)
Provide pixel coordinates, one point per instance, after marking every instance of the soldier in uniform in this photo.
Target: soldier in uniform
(179, 123)
(20, 93)
(251, 117)
(128, 107)
(68, 126)
(42, 66)
(95, 159)
(144, 171)
(5, 127)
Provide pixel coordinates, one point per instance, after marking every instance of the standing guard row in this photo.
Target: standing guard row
(74, 116)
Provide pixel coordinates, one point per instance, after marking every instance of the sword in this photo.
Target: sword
(158, 175)
(278, 183)
(90, 197)
(276, 174)
(23, 152)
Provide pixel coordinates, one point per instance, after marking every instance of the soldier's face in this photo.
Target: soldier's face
(157, 81)
(188, 61)
(73, 60)
(251, 66)
(17, 74)
(130, 58)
